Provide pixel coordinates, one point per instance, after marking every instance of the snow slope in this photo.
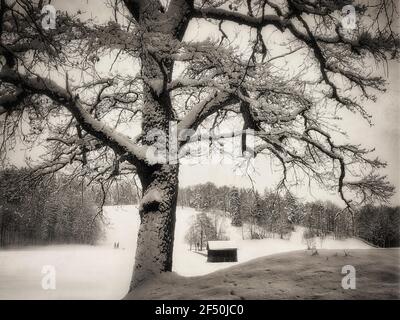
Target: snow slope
(191, 263)
(101, 272)
(291, 275)
(124, 225)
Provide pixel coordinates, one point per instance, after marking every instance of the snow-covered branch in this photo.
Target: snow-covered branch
(37, 85)
(198, 113)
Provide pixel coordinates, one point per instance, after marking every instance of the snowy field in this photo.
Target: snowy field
(190, 263)
(292, 275)
(101, 272)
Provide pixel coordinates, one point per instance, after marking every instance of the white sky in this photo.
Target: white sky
(384, 135)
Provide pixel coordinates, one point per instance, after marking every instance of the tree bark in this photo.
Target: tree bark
(157, 224)
(159, 181)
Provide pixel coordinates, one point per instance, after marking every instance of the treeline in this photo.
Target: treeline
(261, 216)
(52, 210)
(272, 213)
(121, 193)
(379, 225)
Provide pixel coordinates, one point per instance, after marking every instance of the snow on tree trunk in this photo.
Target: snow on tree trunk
(159, 181)
(156, 233)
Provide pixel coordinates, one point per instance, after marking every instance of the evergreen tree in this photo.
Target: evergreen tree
(235, 208)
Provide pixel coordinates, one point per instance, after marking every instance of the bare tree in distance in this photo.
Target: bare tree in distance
(292, 108)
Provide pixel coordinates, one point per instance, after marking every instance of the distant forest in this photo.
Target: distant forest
(49, 210)
(56, 209)
(273, 213)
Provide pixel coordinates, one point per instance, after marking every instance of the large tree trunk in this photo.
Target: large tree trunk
(159, 182)
(157, 215)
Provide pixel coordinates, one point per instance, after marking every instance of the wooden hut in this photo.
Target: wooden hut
(221, 251)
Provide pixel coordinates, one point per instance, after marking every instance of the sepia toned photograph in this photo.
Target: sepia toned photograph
(199, 150)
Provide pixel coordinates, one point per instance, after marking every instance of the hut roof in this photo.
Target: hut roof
(221, 245)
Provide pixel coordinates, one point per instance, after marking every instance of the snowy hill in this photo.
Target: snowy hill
(124, 222)
(291, 275)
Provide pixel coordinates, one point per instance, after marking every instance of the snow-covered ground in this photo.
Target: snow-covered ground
(101, 272)
(82, 272)
(190, 263)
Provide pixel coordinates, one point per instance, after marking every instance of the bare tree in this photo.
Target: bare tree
(290, 110)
